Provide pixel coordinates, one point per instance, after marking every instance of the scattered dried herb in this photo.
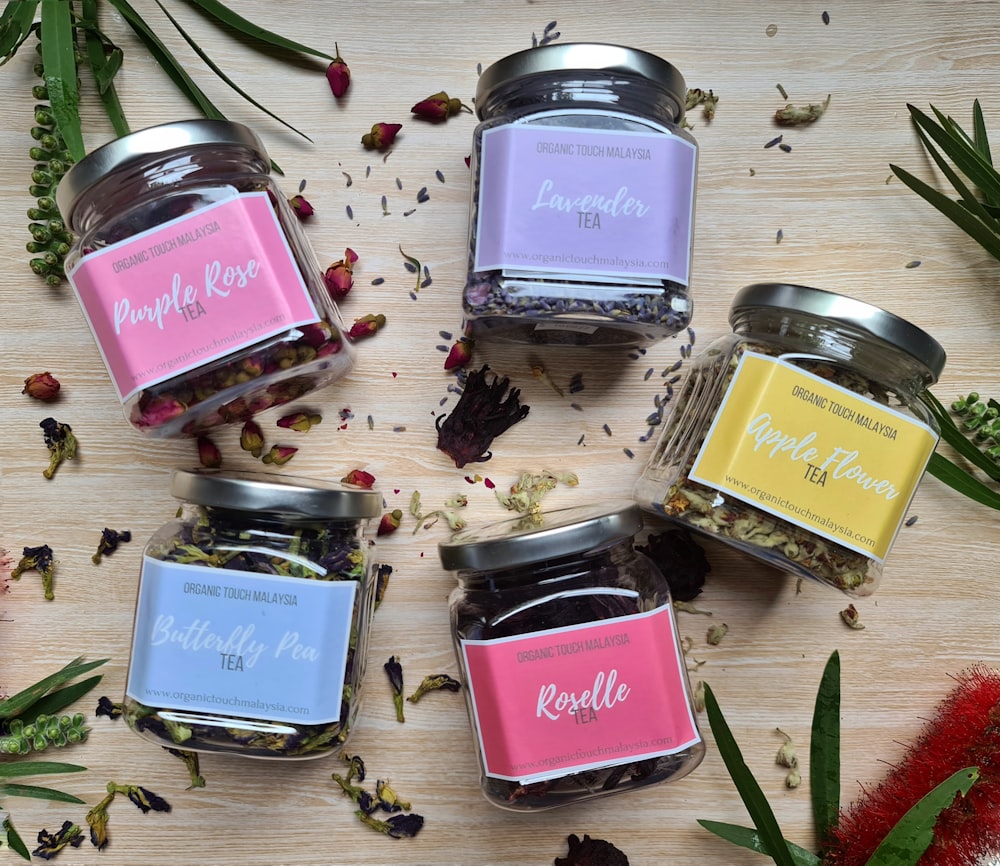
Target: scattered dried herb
(525, 496)
(107, 707)
(716, 633)
(912, 264)
(851, 616)
(705, 98)
(279, 455)
(366, 326)
(108, 544)
(209, 454)
(50, 844)
(301, 206)
(301, 422)
(144, 799)
(60, 441)
(394, 671)
(432, 683)
(792, 115)
(41, 386)
(460, 353)
(37, 559)
(390, 522)
(591, 852)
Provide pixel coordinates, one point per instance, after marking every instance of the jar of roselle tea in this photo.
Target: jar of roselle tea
(251, 625)
(575, 678)
(582, 198)
(801, 437)
(201, 289)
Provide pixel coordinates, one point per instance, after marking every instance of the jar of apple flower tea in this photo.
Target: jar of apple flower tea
(582, 198)
(801, 437)
(200, 287)
(575, 678)
(252, 619)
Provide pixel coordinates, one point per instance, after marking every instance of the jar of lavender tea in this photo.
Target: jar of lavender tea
(251, 625)
(801, 437)
(575, 678)
(200, 287)
(582, 198)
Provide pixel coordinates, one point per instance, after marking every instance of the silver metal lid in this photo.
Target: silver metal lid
(147, 142)
(829, 305)
(584, 56)
(509, 543)
(275, 494)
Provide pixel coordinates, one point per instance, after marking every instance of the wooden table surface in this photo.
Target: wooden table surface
(846, 226)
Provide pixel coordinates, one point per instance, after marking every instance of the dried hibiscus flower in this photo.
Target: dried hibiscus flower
(439, 107)
(681, 559)
(591, 852)
(381, 136)
(483, 412)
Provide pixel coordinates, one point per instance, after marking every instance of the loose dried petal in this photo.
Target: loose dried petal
(438, 107)
(591, 852)
(382, 135)
(338, 74)
(41, 386)
(359, 478)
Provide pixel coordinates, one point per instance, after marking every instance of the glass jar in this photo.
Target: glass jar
(582, 198)
(575, 679)
(251, 625)
(801, 437)
(200, 287)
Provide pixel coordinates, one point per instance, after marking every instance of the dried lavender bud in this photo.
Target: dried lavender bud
(591, 852)
(680, 558)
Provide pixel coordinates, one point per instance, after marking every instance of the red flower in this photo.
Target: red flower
(208, 453)
(381, 136)
(338, 74)
(303, 210)
(359, 478)
(438, 107)
(366, 326)
(339, 277)
(459, 355)
(41, 386)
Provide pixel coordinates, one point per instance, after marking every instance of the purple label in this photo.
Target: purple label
(594, 202)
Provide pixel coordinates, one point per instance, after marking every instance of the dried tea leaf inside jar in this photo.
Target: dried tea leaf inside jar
(252, 618)
(800, 438)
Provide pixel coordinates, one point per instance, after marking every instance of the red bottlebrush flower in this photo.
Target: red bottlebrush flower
(208, 453)
(438, 107)
(381, 136)
(41, 386)
(338, 74)
(366, 326)
(390, 522)
(459, 355)
(299, 421)
(303, 210)
(483, 412)
(359, 478)
(252, 438)
(965, 732)
(279, 454)
(339, 277)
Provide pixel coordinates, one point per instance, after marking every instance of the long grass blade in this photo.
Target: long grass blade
(37, 768)
(104, 67)
(824, 750)
(747, 837)
(57, 701)
(223, 13)
(965, 156)
(979, 132)
(15, 25)
(958, 479)
(17, 704)
(957, 439)
(212, 65)
(12, 789)
(59, 60)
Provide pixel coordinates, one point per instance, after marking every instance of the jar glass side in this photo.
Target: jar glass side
(615, 583)
(149, 193)
(273, 587)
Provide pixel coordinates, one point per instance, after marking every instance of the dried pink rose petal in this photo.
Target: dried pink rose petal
(359, 478)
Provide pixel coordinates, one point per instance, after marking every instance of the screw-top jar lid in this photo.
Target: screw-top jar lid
(147, 142)
(283, 495)
(547, 535)
(829, 305)
(581, 56)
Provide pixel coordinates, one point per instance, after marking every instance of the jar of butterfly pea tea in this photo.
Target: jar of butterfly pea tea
(801, 437)
(196, 278)
(582, 205)
(252, 618)
(575, 678)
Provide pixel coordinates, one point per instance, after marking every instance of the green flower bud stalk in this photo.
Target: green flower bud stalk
(45, 732)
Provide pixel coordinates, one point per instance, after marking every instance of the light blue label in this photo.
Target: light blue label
(234, 643)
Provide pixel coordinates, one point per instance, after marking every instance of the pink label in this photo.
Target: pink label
(571, 699)
(594, 202)
(191, 290)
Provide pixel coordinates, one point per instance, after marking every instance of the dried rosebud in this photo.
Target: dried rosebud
(41, 386)
(359, 478)
(381, 136)
(209, 455)
(339, 277)
(591, 852)
(366, 326)
(110, 539)
(435, 682)
(159, 410)
(279, 454)
(394, 670)
(299, 421)
(60, 441)
(50, 844)
(400, 826)
(460, 354)
(303, 210)
(338, 74)
(438, 107)
(252, 438)
(390, 522)
(37, 559)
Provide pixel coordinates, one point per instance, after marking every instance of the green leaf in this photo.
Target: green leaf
(749, 791)
(37, 768)
(979, 132)
(58, 700)
(747, 837)
(58, 58)
(15, 25)
(104, 66)
(824, 750)
(12, 789)
(905, 843)
(23, 700)
(226, 15)
(958, 479)
(952, 434)
(211, 65)
(14, 839)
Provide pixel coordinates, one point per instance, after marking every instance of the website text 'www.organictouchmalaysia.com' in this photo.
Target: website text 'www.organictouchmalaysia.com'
(223, 701)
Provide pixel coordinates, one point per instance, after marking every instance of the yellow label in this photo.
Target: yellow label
(816, 454)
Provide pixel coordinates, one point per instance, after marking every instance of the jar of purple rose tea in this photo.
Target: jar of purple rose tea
(198, 283)
(575, 678)
(582, 206)
(252, 618)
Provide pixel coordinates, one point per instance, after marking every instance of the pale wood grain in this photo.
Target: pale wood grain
(844, 227)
